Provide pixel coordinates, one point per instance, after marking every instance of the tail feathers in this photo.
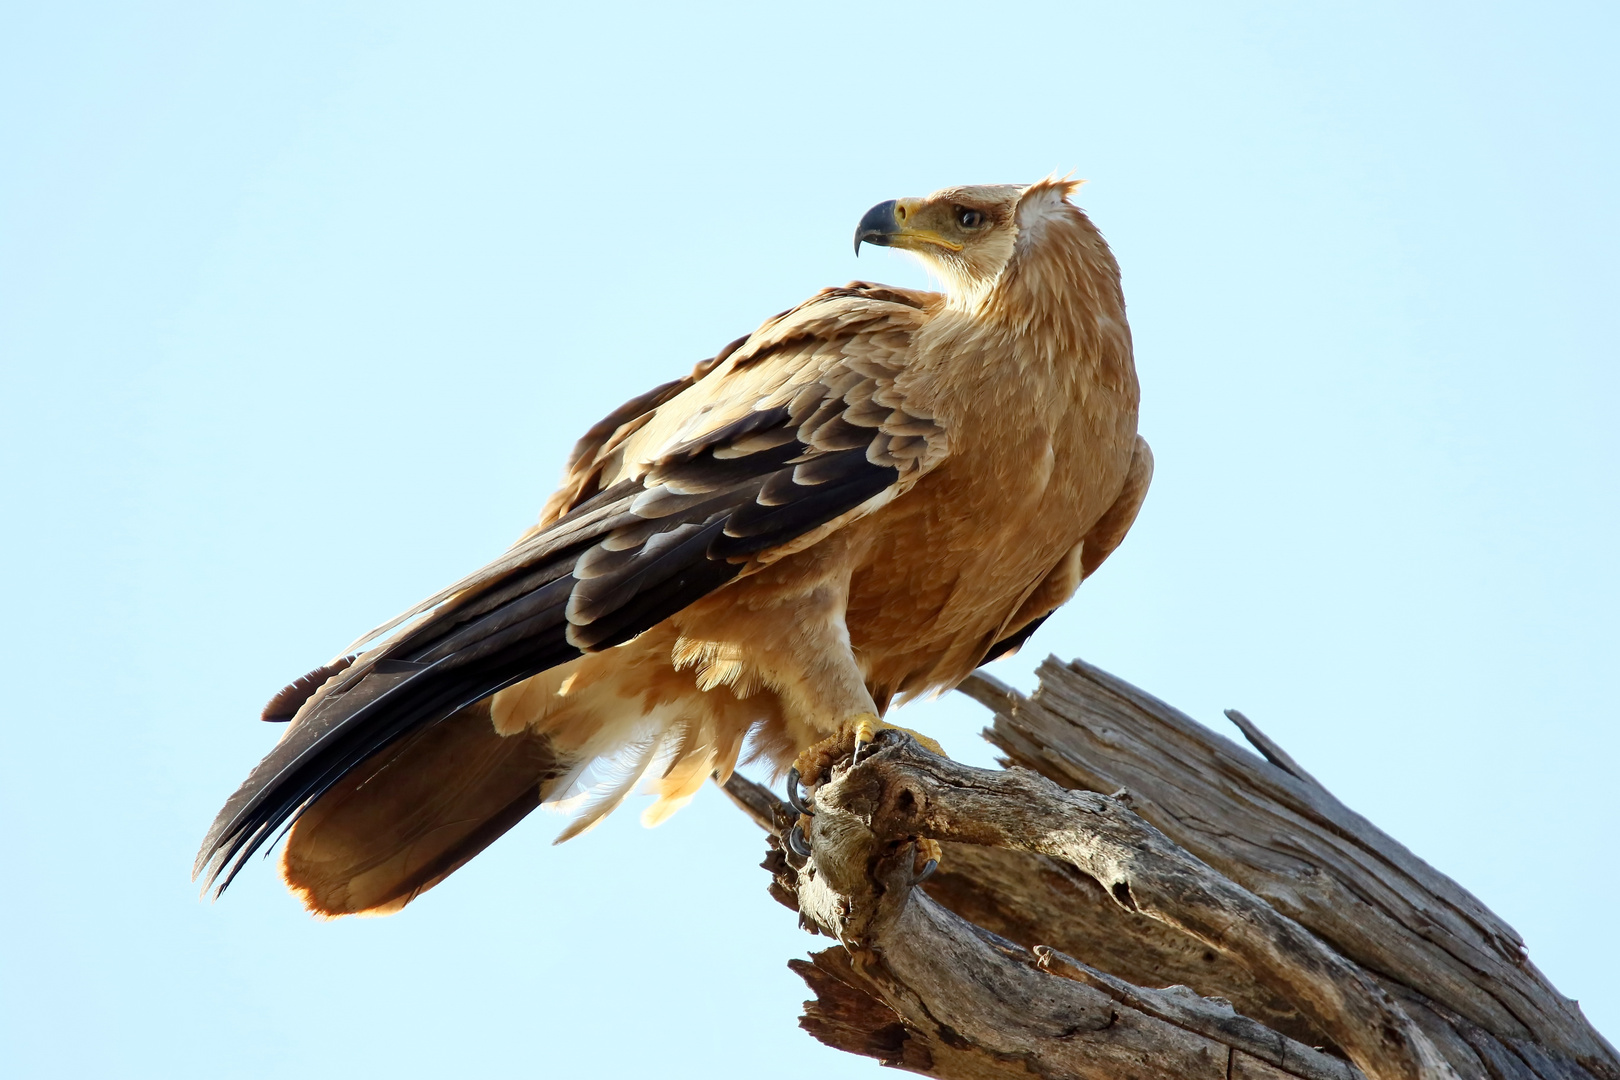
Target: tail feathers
(412, 814)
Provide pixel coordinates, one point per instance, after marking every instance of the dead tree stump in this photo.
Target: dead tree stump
(1137, 898)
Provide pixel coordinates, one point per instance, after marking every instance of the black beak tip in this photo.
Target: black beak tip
(877, 226)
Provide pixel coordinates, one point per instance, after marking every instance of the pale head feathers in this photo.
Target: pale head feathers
(972, 237)
(1040, 205)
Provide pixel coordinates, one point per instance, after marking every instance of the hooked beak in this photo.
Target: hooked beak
(888, 224)
(878, 226)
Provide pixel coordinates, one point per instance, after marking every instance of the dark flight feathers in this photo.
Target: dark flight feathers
(1014, 641)
(620, 561)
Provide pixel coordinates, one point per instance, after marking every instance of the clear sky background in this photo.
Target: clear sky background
(301, 306)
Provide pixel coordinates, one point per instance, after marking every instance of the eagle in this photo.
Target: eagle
(858, 503)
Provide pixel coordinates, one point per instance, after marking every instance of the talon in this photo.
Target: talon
(866, 732)
(796, 841)
(868, 729)
(795, 796)
(929, 850)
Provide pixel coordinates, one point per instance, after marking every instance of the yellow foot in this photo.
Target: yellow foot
(867, 726)
(861, 731)
(930, 856)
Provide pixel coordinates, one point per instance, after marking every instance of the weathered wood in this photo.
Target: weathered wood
(1213, 1017)
(1034, 900)
(1226, 911)
(917, 987)
(902, 791)
(1272, 828)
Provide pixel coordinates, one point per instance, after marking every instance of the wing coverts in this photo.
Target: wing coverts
(829, 433)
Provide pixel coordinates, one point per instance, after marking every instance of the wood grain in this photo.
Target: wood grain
(1138, 896)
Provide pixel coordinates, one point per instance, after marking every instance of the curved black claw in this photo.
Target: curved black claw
(927, 871)
(862, 748)
(795, 796)
(796, 842)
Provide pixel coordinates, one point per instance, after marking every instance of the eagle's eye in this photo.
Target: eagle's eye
(968, 219)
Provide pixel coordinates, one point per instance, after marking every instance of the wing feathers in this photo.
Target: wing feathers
(614, 561)
(285, 705)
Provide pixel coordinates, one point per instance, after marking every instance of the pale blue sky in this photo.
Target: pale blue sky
(302, 304)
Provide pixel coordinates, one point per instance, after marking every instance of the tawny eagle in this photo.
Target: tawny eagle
(857, 503)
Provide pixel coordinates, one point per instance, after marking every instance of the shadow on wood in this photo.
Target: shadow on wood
(1138, 897)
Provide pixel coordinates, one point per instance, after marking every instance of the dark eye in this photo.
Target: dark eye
(968, 219)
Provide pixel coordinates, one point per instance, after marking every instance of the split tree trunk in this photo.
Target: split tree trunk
(1137, 898)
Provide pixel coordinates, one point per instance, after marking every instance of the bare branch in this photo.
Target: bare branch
(1459, 970)
(1235, 920)
(902, 791)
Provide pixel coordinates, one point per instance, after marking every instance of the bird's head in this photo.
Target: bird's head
(969, 235)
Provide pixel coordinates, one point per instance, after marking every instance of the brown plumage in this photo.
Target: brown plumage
(855, 504)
